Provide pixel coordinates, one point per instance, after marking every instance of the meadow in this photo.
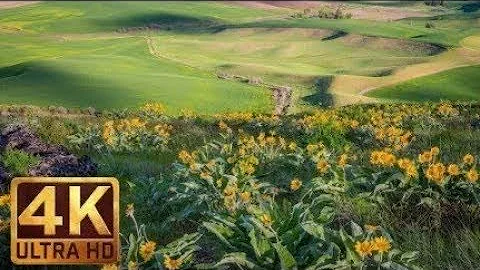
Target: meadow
(373, 164)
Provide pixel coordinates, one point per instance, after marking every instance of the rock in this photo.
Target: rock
(22, 138)
(54, 160)
(64, 165)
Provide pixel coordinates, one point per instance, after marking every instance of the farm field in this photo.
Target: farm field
(160, 46)
(254, 134)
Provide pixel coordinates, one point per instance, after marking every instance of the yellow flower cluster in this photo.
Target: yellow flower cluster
(235, 116)
(153, 108)
(186, 157)
(163, 130)
(326, 117)
(342, 160)
(446, 109)
(382, 158)
(396, 137)
(368, 247)
(108, 132)
(315, 149)
(247, 165)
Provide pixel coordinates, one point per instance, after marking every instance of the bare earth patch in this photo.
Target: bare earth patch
(13, 4)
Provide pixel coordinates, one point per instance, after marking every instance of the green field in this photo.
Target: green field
(119, 55)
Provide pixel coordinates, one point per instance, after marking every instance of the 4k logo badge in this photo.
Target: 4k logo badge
(64, 220)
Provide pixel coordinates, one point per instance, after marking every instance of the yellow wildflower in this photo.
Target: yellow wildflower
(230, 190)
(364, 248)
(383, 158)
(435, 151)
(468, 159)
(147, 250)
(130, 210)
(472, 175)
(295, 184)
(4, 200)
(381, 244)
(132, 265)
(205, 175)
(246, 196)
(425, 157)
(453, 169)
(371, 228)
(322, 166)
(109, 267)
(185, 157)
(172, 264)
(266, 219)
(342, 160)
(436, 173)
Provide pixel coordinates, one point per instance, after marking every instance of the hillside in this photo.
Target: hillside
(187, 55)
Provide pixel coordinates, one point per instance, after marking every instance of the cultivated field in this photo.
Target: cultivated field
(115, 55)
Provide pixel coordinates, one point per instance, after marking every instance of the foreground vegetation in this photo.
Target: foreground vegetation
(390, 186)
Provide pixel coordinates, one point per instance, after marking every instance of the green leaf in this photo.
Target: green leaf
(348, 243)
(409, 256)
(287, 261)
(260, 246)
(220, 231)
(132, 248)
(237, 258)
(393, 266)
(314, 229)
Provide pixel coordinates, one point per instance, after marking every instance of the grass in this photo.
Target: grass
(455, 84)
(122, 73)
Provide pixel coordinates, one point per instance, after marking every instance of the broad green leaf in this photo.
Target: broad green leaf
(287, 261)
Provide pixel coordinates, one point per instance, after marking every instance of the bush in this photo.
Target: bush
(429, 25)
(18, 162)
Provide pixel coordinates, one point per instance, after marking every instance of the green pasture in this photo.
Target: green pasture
(97, 53)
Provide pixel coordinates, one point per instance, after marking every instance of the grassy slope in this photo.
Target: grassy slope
(110, 70)
(455, 84)
(123, 74)
(77, 41)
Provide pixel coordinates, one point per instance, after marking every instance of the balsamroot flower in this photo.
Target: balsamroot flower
(147, 250)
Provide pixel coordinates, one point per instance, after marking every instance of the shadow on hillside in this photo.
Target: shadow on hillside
(12, 71)
(322, 97)
(162, 21)
(470, 7)
(39, 83)
(335, 35)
